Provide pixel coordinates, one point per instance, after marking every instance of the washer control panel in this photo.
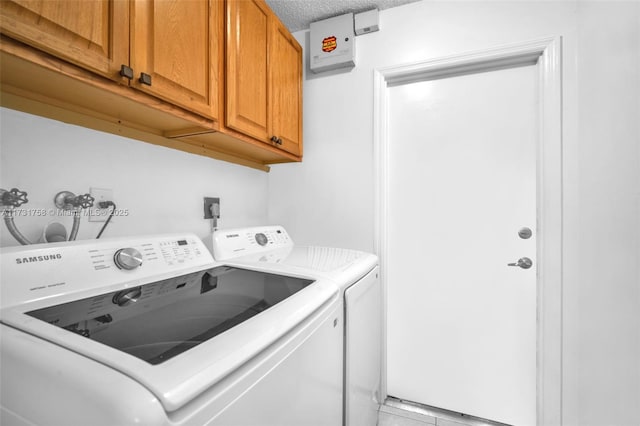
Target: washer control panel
(166, 251)
(231, 243)
(44, 270)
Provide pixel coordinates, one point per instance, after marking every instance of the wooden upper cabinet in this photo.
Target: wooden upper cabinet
(177, 44)
(263, 76)
(247, 67)
(285, 79)
(91, 34)
(221, 76)
(176, 51)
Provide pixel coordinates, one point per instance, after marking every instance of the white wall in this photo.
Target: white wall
(161, 188)
(602, 244)
(329, 198)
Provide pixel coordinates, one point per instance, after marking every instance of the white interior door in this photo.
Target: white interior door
(461, 324)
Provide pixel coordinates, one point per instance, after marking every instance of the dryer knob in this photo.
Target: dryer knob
(127, 258)
(261, 239)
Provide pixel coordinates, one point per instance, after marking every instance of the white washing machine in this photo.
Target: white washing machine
(357, 275)
(153, 331)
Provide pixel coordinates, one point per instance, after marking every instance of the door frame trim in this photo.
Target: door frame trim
(547, 55)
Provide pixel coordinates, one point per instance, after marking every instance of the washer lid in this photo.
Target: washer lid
(161, 320)
(179, 348)
(344, 266)
(323, 259)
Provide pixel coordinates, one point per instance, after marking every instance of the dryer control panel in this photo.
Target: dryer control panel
(231, 243)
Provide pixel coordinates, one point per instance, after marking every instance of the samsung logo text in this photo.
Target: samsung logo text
(33, 259)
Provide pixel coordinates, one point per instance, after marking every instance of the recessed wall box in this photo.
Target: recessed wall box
(366, 22)
(332, 44)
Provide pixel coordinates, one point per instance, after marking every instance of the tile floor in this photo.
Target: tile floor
(398, 413)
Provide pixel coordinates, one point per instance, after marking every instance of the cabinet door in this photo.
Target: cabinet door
(247, 72)
(177, 44)
(285, 80)
(92, 34)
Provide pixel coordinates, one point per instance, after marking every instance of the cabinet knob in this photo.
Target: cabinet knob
(276, 140)
(126, 71)
(145, 79)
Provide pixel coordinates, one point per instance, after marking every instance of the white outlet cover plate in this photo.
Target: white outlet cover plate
(100, 194)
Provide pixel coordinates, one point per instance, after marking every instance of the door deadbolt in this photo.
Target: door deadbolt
(523, 262)
(525, 233)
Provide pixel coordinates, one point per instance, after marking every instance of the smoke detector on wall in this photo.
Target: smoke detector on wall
(333, 40)
(332, 44)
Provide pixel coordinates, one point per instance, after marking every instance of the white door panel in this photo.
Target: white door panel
(462, 169)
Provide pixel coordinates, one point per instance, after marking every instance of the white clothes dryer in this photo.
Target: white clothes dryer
(356, 273)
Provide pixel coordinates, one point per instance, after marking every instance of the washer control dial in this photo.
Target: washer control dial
(127, 297)
(127, 258)
(261, 239)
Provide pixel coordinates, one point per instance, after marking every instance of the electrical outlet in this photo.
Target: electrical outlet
(97, 214)
(211, 208)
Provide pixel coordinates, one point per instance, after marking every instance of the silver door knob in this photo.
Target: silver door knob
(523, 262)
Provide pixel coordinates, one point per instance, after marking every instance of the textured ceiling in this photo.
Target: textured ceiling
(298, 14)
